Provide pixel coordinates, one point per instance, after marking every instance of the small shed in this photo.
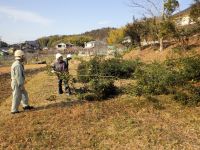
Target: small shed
(61, 46)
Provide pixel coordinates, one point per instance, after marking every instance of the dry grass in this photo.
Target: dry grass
(150, 54)
(124, 122)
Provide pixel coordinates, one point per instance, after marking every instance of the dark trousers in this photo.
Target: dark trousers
(66, 86)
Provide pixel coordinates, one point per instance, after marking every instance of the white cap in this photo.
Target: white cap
(58, 55)
(18, 54)
(69, 56)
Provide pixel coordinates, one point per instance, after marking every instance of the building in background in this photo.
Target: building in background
(90, 44)
(61, 46)
(183, 18)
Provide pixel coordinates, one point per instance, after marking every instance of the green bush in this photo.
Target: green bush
(194, 92)
(116, 68)
(88, 96)
(172, 77)
(103, 88)
(191, 68)
(190, 97)
(95, 67)
(98, 89)
(111, 67)
(119, 68)
(88, 70)
(100, 86)
(83, 72)
(155, 79)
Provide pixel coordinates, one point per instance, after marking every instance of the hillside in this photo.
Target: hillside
(99, 34)
(152, 53)
(78, 39)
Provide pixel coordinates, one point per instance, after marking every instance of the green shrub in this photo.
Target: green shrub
(187, 67)
(191, 68)
(116, 68)
(155, 79)
(111, 67)
(190, 98)
(119, 68)
(103, 88)
(83, 72)
(194, 92)
(170, 77)
(89, 70)
(95, 67)
(98, 89)
(88, 96)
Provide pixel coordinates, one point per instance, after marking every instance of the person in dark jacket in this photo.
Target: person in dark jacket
(67, 88)
(60, 68)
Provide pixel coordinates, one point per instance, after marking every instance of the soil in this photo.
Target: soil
(5, 80)
(5, 70)
(5, 88)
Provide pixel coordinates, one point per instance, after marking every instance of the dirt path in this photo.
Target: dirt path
(5, 70)
(5, 81)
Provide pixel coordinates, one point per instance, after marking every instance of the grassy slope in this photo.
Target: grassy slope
(150, 54)
(121, 123)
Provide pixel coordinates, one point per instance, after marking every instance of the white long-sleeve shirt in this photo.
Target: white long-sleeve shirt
(17, 73)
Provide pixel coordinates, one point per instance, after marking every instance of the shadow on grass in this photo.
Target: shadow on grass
(190, 47)
(68, 104)
(80, 99)
(61, 105)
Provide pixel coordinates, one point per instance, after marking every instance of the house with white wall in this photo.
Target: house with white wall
(94, 48)
(183, 18)
(127, 40)
(89, 45)
(61, 46)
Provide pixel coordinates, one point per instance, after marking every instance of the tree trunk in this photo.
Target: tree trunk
(161, 44)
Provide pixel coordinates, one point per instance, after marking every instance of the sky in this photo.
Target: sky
(22, 20)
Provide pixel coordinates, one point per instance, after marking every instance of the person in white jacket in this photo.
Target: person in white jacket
(18, 79)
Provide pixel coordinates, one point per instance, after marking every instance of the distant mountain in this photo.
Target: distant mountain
(77, 39)
(98, 34)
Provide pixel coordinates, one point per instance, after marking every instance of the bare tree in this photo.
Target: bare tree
(161, 10)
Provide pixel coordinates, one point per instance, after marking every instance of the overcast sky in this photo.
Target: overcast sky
(22, 20)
